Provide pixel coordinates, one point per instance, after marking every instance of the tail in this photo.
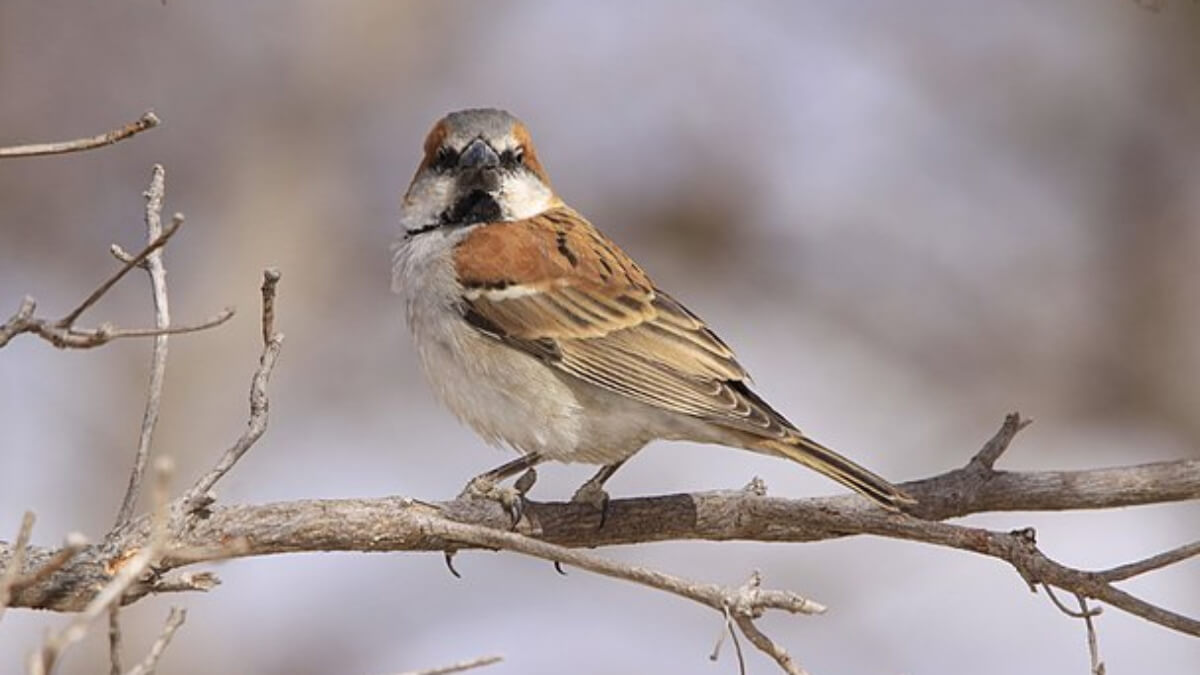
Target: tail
(823, 460)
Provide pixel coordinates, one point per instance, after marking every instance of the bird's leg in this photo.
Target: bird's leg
(512, 499)
(592, 492)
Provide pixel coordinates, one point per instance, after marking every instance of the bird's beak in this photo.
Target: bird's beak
(478, 155)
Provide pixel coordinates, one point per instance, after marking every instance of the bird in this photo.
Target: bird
(541, 334)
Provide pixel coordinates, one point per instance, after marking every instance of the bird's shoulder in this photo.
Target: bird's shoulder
(555, 248)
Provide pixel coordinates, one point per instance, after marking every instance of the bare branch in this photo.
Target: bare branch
(62, 333)
(458, 667)
(158, 364)
(154, 244)
(175, 619)
(432, 523)
(727, 628)
(148, 120)
(114, 639)
(199, 497)
(1152, 563)
(996, 445)
(766, 645)
(1093, 646)
(78, 338)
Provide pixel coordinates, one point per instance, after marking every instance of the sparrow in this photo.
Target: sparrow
(541, 334)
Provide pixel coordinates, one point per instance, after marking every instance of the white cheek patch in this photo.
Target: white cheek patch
(523, 195)
(425, 202)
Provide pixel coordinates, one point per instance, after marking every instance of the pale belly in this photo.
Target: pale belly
(505, 396)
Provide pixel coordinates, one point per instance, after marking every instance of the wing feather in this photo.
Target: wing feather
(579, 303)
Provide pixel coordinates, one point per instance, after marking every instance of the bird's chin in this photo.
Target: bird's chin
(477, 206)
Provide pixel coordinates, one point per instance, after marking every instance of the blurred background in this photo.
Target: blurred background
(909, 219)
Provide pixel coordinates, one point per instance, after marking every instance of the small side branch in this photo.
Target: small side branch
(199, 496)
(461, 666)
(1150, 564)
(158, 363)
(744, 604)
(153, 245)
(63, 334)
(148, 120)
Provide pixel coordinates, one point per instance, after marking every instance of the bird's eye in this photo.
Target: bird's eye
(511, 158)
(445, 159)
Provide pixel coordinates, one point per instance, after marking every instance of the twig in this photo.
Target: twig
(148, 120)
(13, 570)
(154, 244)
(767, 646)
(199, 497)
(996, 445)
(77, 338)
(1063, 608)
(175, 619)
(458, 667)
(114, 639)
(745, 603)
(42, 661)
(728, 629)
(710, 595)
(1150, 564)
(158, 364)
(1093, 647)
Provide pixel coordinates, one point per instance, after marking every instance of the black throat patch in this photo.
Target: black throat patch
(477, 206)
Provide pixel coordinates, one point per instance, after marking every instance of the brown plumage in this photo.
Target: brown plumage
(556, 288)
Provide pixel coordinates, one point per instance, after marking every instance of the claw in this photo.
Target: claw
(450, 563)
(511, 499)
(559, 568)
(514, 504)
(591, 493)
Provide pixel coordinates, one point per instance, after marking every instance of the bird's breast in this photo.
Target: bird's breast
(505, 395)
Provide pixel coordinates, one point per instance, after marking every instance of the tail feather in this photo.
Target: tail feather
(825, 461)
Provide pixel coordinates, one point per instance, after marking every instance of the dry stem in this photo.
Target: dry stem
(148, 120)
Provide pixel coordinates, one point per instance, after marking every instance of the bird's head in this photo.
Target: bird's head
(480, 166)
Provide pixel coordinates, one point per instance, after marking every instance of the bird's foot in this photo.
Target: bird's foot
(593, 493)
(511, 499)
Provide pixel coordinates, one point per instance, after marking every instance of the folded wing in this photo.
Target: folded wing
(556, 288)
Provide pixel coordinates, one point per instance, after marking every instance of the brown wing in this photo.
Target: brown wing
(556, 288)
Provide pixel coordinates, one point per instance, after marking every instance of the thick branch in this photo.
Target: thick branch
(399, 524)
